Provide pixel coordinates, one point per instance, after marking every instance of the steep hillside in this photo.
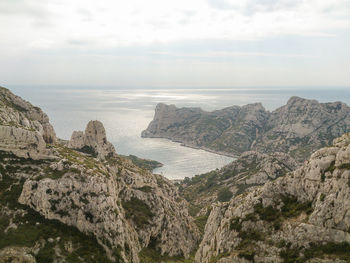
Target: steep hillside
(231, 130)
(298, 128)
(251, 169)
(59, 204)
(24, 129)
(300, 217)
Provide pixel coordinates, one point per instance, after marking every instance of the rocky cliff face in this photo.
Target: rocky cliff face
(123, 206)
(303, 126)
(217, 130)
(24, 129)
(300, 217)
(298, 128)
(68, 206)
(93, 141)
(251, 169)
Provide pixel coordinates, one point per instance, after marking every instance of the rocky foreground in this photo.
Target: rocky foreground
(298, 128)
(79, 201)
(301, 217)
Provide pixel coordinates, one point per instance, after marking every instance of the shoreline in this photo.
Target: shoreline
(194, 146)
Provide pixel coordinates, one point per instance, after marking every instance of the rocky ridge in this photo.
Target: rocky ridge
(24, 128)
(300, 217)
(250, 170)
(298, 128)
(67, 205)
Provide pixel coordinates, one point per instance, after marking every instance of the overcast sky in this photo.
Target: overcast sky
(182, 43)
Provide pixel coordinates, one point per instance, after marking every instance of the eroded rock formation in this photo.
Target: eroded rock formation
(93, 141)
(303, 215)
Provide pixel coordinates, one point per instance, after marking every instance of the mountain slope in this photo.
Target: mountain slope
(298, 217)
(61, 204)
(251, 169)
(298, 128)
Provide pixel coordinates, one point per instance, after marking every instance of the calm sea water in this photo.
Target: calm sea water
(126, 112)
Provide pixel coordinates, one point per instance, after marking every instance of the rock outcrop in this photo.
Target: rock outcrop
(24, 129)
(122, 205)
(217, 130)
(251, 169)
(93, 141)
(298, 217)
(74, 207)
(16, 255)
(298, 128)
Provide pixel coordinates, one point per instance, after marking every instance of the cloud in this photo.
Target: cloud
(80, 42)
(120, 23)
(24, 8)
(158, 33)
(86, 15)
(221, 4)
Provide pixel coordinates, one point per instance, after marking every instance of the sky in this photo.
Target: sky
(182, 43)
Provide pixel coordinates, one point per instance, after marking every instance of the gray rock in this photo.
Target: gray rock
(251, 169)
(94, 139)
(320, 188)
(298, 128)
(16, 255)
(24, 129)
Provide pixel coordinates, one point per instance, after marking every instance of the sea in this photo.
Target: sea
(125, 112)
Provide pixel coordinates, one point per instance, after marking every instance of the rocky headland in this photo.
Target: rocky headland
(298, 128)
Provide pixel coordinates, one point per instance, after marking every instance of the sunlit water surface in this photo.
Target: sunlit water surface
(126, 112)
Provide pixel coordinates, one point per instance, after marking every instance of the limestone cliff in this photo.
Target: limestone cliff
(24, 129)
(92, 141)
(59, 204)
(300, 217)
(298, 128)
(218, 130)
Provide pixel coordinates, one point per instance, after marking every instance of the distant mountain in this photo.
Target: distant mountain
(298, 128)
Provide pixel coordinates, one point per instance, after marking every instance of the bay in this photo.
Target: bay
(126, 112)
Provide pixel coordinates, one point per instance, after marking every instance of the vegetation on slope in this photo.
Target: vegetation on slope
(143, 163)
(22, 226)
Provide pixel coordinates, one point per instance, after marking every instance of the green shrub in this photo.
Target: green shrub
(331, 167)
(344, 166)
(251, 234)
(144, 163)
(146, 189)
(322, 197)
(88, 150)
(292, 208)
(138, 211)
(341, 250)
(235, 224)
(224, 195)
(201, 221)
(268, 213)
(29, 232)
(291, 255)
(247, 254)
